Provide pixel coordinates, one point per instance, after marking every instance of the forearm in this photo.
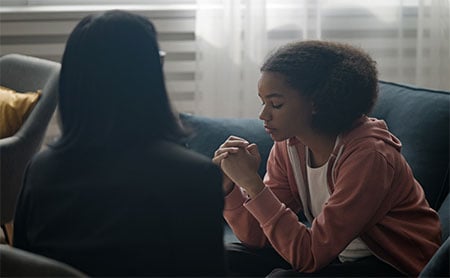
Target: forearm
(241, 221)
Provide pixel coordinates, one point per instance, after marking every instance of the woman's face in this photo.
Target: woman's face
(284, 111)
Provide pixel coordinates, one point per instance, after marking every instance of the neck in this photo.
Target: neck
(321, 147)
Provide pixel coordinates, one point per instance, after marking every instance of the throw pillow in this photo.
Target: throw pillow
(14, 109)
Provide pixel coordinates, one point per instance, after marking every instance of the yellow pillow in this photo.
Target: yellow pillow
(14, 109)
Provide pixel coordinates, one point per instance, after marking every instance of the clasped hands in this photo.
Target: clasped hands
(239, 161)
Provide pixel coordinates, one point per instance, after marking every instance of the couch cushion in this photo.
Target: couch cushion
(444, 217)
(420, 119)
(209, 133)
(438, 266)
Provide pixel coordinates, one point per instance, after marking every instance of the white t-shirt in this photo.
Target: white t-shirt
(319, 194)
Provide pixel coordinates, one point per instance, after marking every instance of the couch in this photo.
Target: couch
(419, 117)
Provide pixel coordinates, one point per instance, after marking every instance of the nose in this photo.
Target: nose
(264, 114)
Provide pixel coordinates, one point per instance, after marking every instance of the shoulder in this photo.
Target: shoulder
(41, 164)
(173, 165)
(41, 172)
(371, 135)
(181, 159)
(178, 153)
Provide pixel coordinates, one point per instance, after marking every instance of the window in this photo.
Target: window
(215, 47)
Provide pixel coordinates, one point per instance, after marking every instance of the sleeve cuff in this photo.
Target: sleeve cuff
(264, 206)
(234, 199)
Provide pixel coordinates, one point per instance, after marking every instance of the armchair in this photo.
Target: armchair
(24, 73)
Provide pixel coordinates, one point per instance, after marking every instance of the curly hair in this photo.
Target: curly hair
(339, 79)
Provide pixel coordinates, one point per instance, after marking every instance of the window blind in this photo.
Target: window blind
(42, 31)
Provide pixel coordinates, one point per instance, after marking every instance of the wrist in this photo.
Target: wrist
(253, 185)
(228, 188)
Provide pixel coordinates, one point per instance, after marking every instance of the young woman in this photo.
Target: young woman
(116, 195)
(330, 161)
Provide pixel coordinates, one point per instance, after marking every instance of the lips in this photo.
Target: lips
(269, 129)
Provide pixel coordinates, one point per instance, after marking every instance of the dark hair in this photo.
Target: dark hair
(340, 80)
(112, 90)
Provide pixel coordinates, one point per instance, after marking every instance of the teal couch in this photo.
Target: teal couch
(419, 117)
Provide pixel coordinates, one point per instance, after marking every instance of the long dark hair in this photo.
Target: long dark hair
(112, 90)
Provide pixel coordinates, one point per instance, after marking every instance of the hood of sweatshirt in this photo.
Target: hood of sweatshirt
(364, 131)
(370, 127)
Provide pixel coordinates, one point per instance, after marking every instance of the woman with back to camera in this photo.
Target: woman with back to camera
(116, 195)
(342, 169)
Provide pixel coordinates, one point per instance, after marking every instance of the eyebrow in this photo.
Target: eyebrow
(273, 95)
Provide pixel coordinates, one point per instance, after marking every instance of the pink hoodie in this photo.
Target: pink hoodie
(373, 195)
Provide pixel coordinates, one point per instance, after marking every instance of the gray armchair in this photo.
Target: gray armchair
(24, 73)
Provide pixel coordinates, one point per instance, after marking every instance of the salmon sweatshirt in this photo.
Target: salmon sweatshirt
(373, 195)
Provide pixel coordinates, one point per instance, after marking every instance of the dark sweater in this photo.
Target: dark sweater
(146, 211)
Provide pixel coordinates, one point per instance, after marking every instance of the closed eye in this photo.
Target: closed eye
(274, 106)
(277, 106)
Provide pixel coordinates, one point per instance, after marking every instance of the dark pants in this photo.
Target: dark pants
(248, 262)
